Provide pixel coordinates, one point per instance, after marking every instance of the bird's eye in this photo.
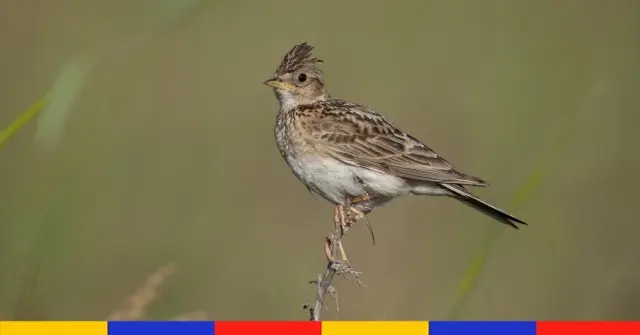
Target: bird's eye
(302, 77)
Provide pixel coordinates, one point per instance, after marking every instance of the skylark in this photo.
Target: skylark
(351, 155)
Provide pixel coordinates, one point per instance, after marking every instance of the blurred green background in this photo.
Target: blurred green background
(168, 156)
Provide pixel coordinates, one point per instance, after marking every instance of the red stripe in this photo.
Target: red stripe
(268, 328)
(587, 328)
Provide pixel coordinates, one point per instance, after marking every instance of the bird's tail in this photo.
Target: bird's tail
(466, 197)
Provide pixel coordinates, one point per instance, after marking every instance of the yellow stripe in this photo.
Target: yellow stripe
(374, 327)
(53, 328)
(22, 120)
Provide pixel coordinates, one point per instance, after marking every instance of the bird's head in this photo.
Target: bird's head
(298, 80)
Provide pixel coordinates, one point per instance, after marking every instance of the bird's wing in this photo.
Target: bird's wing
(359, 136)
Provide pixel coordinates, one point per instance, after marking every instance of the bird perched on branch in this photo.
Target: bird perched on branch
(353, 156)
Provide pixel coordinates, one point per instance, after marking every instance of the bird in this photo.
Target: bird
(353, 156)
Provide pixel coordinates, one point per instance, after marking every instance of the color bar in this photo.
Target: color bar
(161, 327)
(482, 328)
(267, 328)
(53, 328)
(317, 328)
(375, 327)
(588, 328)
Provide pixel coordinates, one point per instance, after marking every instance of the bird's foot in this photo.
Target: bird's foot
(344, 269)
(354, 215)
(328, 244)
(345, 218)
(343, 266)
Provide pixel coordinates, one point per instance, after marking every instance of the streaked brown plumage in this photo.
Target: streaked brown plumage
(353, 156)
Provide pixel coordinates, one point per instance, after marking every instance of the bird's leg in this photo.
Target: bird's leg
(355, 214)
(360, 198)
(341, 215)
(328, 241)
(340, 266)
(340, 218)
(327, 249)
(339, 221)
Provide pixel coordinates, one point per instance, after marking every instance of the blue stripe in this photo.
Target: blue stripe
(161, 327)
(482, 328)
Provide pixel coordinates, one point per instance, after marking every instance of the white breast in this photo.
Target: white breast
(336, 181)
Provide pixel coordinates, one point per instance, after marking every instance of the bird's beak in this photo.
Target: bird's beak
(279, 84)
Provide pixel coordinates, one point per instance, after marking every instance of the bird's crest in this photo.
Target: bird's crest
(298, 57)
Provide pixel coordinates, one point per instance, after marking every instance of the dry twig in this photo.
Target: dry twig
(136, 304)
(335, 267)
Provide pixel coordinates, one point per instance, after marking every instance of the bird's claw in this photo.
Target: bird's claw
(354, 215)
(344, 268)
(328, 243)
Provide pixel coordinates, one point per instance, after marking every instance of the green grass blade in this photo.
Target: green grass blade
(52, 120)
(471, 276)
(23, 119)
(536, 178)
(55, 108)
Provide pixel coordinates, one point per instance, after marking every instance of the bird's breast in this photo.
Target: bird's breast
(329, 177)
(337, 181)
